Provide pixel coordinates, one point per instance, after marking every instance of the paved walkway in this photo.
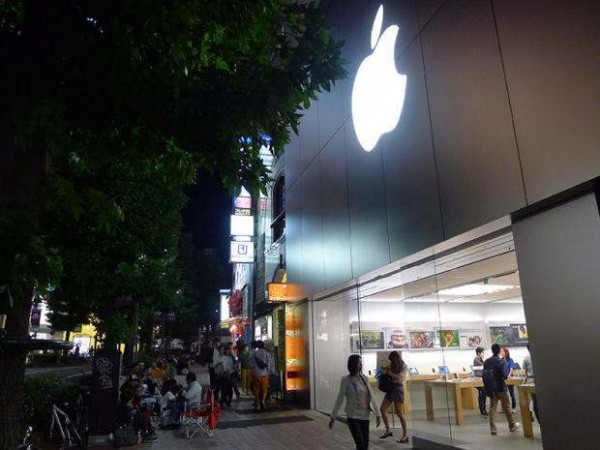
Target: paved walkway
(281, 427)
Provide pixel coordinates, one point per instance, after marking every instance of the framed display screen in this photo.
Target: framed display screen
(449, 338)
(395, 338)
(520, 333)
(368, 340)
(472, 338)
(423, 339)
(502, 335)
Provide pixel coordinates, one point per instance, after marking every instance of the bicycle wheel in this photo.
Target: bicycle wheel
(82, 425)
(76, 440)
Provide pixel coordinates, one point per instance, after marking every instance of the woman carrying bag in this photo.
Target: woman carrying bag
(395, 395)
(359, 403)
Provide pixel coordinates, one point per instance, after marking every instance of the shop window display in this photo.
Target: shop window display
(437, 323)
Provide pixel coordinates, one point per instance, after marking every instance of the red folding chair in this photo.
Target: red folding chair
(202, 417)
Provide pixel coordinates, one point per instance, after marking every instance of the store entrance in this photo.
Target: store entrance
(438, 323)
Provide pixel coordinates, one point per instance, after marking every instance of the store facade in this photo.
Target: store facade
(471, 220)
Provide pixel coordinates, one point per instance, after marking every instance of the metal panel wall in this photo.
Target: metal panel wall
(478, 165)
(412, 202)
(312, 228)
(551, 54)
(368, 222)
(557, 251)
(334, 213)
(293, 232)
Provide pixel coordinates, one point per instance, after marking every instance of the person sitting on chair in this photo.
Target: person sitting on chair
(192, 395)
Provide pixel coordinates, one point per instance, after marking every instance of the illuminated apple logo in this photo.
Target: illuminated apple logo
(378, 91)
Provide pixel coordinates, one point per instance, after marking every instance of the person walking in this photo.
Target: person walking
(354, 387)
(261, 362)
(495, 388)
(235, 373)
(244, 358)
(395, 396)
(213, 354)
(477, 369)
(226, 375)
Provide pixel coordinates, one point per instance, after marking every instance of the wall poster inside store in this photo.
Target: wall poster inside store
(501, 335)
(368, 340)
(423, 339)
(449, 338)
(520, 334)
(395, 338)
(472, 338)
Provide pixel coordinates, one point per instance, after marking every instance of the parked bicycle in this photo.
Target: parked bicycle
(27, 444)
(70, 424)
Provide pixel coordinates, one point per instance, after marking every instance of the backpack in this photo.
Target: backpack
(260, 363)
(385, 383)
(489, 382)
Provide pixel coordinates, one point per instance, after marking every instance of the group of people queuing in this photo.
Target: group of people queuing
(232, 368)
(494, 371)
(360, 403)
(154, 392)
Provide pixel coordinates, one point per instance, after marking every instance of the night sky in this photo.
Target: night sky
(207, 217)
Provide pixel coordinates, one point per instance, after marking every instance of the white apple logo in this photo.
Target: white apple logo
(378, 91)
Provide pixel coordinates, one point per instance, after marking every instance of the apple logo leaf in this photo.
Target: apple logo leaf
(376, 31)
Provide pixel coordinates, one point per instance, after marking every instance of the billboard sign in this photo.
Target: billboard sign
(241, 252)
(242, 225)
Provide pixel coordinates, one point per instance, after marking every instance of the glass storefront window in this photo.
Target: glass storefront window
(436, 313)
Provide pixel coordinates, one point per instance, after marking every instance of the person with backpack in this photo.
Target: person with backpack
(394, 395)
(354, 387)
(261, 363)
(495, 388)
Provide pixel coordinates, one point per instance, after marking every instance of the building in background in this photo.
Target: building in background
(452, 201)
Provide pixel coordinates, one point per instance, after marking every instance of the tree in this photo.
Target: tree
(98, 90)
(202, 273)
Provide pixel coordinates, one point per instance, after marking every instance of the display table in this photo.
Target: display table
(525, 391)
(463, 394)
(410, 379)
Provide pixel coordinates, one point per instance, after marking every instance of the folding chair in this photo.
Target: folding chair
(201, 417)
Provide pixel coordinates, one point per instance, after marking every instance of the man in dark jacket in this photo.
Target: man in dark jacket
(495, 388)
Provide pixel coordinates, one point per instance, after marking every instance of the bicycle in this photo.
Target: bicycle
(72, 424)
(27, 444)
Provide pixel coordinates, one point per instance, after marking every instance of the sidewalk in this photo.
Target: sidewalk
(281, 427)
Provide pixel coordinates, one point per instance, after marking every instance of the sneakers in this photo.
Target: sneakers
(150, 438)
(493, 431)
(515, 427)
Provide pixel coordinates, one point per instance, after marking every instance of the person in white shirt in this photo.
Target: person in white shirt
(192, 395)
(354, 387)
(224, 369)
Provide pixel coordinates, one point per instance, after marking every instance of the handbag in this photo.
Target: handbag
(385, 383)
(125, 435)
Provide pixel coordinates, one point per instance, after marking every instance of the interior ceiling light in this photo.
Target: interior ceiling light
(381, 299)
(475, 289)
